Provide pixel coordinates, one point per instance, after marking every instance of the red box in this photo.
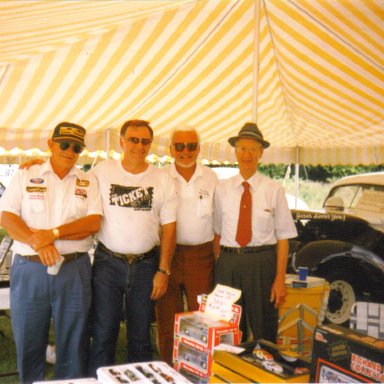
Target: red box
(198, 327)
(192, 354)
(192, 374)
(197, 334)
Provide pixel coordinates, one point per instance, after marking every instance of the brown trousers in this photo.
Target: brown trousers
(192, 273)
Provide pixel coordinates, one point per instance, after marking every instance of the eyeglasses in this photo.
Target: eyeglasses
(179, 147)
(76, 148)
(137, 140)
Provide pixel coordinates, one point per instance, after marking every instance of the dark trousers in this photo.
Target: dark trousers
(36, 297)
(191, 274)
(253, 274)
(114, 281)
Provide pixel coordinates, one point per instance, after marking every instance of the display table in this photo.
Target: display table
(228, 367)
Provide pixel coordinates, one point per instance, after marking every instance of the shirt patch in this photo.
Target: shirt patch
(81, 193)
(82, 183)
(36, 189)
(37, 180)
(139, 198)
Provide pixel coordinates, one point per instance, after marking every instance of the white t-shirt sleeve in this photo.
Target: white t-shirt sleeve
(168, 208)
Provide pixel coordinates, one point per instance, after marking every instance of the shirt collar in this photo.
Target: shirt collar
(47, 168)
(238, 179)
(176, 175)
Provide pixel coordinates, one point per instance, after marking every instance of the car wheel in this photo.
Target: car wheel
(341, 298)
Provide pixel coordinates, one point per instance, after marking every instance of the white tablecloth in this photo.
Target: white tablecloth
(4, 298)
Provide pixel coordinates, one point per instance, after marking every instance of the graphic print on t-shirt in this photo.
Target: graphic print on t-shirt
(139, 198)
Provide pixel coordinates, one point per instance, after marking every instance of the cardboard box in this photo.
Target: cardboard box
(200, 328)
(197, 333)
(344, 355)
(191, 373)
(192, 354)
(248, 369)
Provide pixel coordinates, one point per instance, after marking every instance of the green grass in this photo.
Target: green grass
(312, 192)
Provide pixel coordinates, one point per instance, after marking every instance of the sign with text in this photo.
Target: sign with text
(219, 302)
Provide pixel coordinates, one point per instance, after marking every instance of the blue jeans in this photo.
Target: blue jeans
(36, 297)
(115, 282)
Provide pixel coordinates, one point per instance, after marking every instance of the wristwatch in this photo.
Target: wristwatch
(165, 271)
(56, 233)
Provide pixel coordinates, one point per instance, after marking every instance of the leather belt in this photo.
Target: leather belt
(246, 249)
(196, 247)
(128, 257)
(68, 257)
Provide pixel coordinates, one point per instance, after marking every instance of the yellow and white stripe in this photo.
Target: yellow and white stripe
(312, 75)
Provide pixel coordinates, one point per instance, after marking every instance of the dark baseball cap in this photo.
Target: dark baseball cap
(69, 132)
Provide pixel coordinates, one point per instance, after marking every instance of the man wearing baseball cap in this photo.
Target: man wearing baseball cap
(51, 210)
(252, 224)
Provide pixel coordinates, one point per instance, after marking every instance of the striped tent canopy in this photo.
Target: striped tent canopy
(309, 72)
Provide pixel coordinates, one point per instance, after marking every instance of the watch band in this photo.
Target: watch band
(166, 272)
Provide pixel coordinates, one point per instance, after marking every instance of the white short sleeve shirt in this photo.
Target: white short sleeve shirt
(195, 205)
(271, 217)
(43, 201)
(134, 205)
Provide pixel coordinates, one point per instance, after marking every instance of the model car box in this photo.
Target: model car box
(345, 355)
(245, 368)
(192, 354)
(191, 373)
(150, 372)
(197, 333)
(206, 331)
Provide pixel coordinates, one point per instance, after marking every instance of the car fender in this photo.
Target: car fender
(313, 254)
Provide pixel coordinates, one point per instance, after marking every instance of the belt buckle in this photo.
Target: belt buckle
(239, 250)
(131, 258)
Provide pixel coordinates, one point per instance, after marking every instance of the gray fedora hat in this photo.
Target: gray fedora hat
(249, 131)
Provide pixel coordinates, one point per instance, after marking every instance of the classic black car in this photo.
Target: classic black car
(344, 243)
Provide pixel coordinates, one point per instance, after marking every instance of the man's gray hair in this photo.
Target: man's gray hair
(184, 128)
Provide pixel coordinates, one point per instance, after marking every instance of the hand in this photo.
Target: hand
(49, 255)
(29, 163)
(160, 285)
(278, 292)
(40, 238)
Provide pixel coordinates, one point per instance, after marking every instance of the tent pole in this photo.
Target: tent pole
(297, 170)
(108, 142)
(256, 47)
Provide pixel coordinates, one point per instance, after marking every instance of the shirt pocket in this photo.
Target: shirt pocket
(37, 204)
(204, 206)
(263, 221)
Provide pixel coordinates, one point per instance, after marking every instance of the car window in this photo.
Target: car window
(351, 194)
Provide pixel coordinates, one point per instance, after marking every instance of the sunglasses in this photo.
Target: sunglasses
(77, 148)
(137, 140)
(179, 147)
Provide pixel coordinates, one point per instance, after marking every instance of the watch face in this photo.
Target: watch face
(168, 273)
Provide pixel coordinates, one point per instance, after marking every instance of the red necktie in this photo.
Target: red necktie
(244, 225)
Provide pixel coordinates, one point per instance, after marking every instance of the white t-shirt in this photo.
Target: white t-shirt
(135, 205)
(271, 217)
(195, 205)
(43, 201)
